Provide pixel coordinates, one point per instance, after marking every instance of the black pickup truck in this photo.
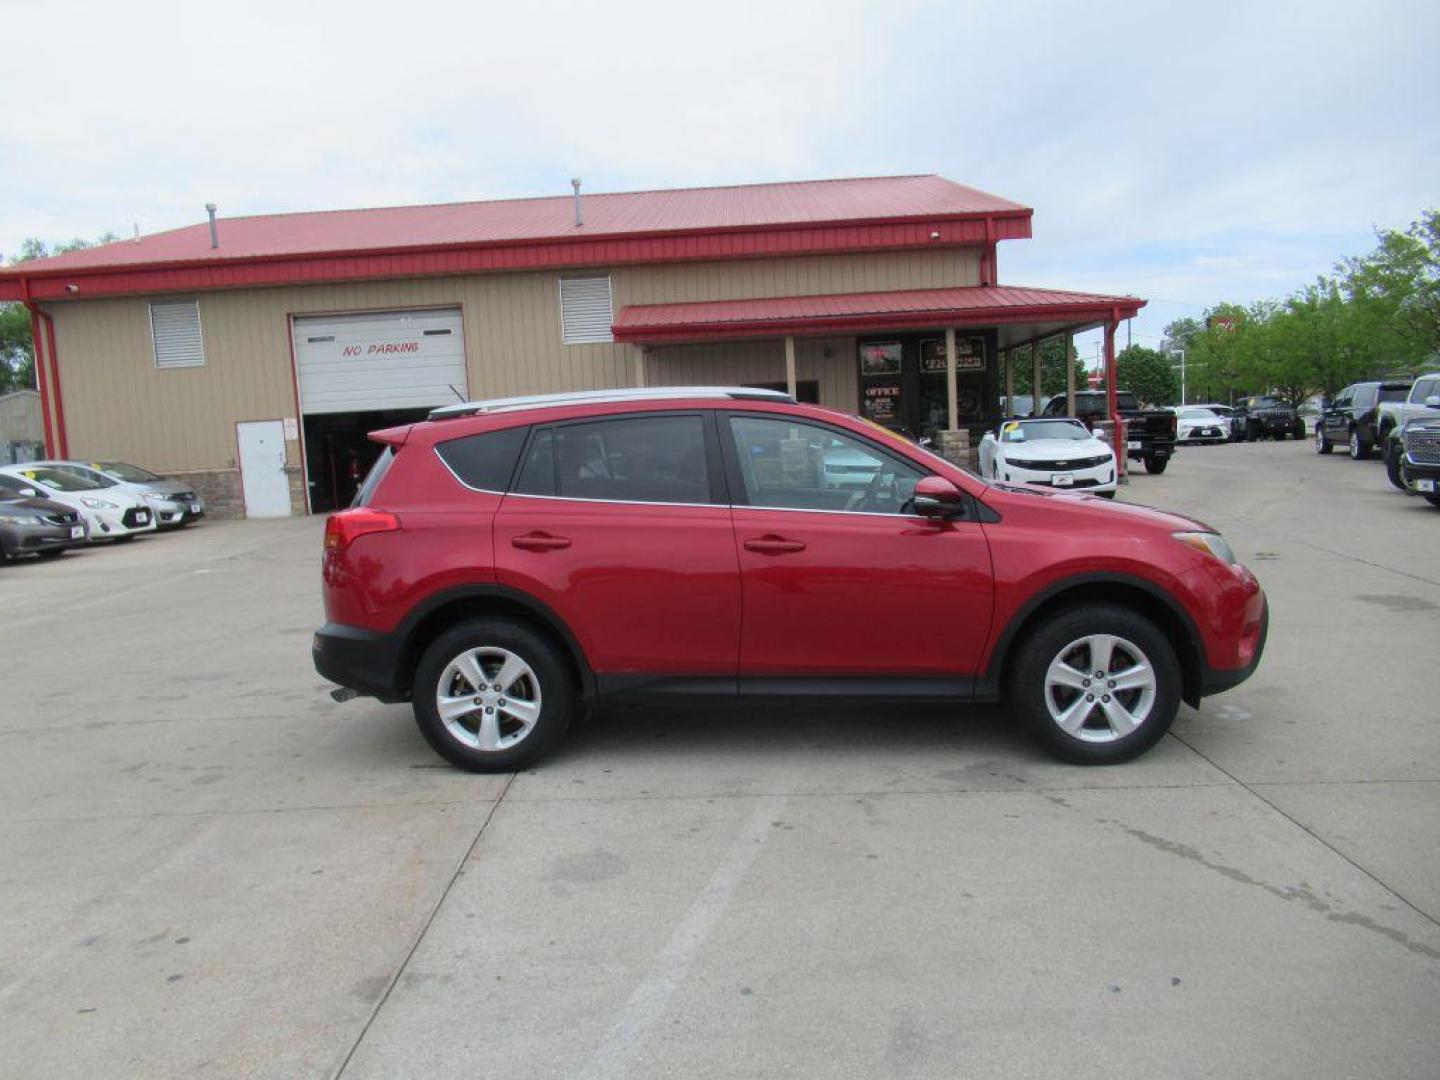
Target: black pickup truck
(1149, 433)
(1265, 414)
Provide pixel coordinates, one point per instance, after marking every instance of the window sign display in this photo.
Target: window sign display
(881, 403)
(969, 355)
(880, 358)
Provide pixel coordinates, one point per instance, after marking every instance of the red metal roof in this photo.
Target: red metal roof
(966, 306)
(543, 220)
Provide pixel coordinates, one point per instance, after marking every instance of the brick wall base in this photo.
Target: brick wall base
(220, 488)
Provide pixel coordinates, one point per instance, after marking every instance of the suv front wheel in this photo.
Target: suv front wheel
(1359, 448)
(1097, 685)
(492, 695)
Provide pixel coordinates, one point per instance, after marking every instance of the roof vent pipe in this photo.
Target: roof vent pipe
(214, 233)
(575, 183)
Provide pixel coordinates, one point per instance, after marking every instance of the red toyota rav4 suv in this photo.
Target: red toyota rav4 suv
(506, 561)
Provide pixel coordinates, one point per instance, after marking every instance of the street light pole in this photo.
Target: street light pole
(1182, 372)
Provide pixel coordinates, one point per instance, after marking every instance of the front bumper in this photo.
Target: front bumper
(24, 539)
(1218, 680)
(1212, 433)
(366, 661)
(1418, 475)
(1096, 478)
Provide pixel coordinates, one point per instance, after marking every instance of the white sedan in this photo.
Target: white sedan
(1051, 452)
(1200, 425)
(110, 512)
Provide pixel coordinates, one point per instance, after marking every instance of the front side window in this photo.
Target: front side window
(62, 479)
(659, 459)
(792, 465)
(1423, 389)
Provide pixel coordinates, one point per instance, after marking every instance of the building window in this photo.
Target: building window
(585, 310)
(175, 331)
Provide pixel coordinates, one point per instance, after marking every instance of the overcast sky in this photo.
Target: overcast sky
(1215, 152)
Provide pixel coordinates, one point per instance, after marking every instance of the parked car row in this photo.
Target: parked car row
(47, 507)
(1399, 418)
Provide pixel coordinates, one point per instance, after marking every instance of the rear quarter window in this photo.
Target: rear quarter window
(485, 461)
(374, 476)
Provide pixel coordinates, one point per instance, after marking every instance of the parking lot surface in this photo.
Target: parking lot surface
(208, 868)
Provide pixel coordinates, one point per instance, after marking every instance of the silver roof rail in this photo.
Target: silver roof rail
(585, 397)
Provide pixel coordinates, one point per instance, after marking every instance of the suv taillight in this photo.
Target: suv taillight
(347, 526)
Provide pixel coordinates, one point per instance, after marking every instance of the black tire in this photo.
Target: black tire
(548, 666)
(1298, 431)
(1359, 448)
(1322, 444)
(51, 553)
(1049, 642)
(1106, 494)
(1392, 464)
(1433, 500)
(126, 539)
(1155, 465)
(1253, 433)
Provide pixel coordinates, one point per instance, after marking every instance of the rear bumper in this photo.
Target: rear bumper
(1218, 680)
(366, 661)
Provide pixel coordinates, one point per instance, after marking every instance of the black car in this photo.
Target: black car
(1351, 418)
(30, 525)
(1149, 433)
(1265, 414)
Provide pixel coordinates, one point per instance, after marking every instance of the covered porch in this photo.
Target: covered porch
(923, 361)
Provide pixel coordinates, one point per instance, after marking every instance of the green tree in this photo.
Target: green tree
(1147, 374)
(1396, 291)
(1052, 367)
(17, 350)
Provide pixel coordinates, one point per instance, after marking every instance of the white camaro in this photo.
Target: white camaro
(110, 512)
(1053, 452)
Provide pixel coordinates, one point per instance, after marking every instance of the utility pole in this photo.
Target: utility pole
(1182, 372)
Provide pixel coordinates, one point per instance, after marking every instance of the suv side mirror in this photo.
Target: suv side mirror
(1433, 401)
(937, 497)
(29, 493)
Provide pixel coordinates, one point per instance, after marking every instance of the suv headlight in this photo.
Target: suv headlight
(99, 504)
(1208, 542)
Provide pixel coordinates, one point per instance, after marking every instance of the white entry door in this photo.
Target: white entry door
(262, 468)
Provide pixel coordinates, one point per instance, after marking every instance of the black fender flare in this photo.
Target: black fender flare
(542, 613)
(1193, 666)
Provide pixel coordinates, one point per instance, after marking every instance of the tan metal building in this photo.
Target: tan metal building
(251, 355)
(22, 434)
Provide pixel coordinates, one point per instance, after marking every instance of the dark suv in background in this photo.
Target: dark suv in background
(1352, 418)
(1265, 414)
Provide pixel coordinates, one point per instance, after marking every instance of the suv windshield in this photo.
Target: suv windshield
(131, 474)
(1264, 401)
(62, 479)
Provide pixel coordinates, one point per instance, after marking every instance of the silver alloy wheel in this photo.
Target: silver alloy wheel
(1100, 688)
(1319, 437)
(1355, 444)
(488, 698)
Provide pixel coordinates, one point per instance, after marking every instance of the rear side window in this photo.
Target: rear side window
(1394, 393)
(373, 478)
(484, 461)
(660, 459)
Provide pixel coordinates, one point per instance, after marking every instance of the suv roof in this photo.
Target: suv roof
(584, 397)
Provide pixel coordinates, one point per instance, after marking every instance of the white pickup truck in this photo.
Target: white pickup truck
(1423, 403)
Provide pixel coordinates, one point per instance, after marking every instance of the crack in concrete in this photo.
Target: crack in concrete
(1289, 893)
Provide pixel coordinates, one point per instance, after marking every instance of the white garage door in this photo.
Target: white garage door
(379, 360)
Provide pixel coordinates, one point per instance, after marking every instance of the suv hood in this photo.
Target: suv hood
(1078, 502)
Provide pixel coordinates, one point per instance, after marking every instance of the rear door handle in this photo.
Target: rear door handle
(539, 541)
(773, 545)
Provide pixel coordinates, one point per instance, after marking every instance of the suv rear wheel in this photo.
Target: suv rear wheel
(1097, 685)
(492, 695)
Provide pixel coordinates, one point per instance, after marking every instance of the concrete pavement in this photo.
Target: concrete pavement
(209, 868)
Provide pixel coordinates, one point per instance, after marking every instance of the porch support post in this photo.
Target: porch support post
(1112, 406)
(1067, 339)
(640, 365)
(790, 365)
(1035, 379)
(951, 396)
(1009, 382)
